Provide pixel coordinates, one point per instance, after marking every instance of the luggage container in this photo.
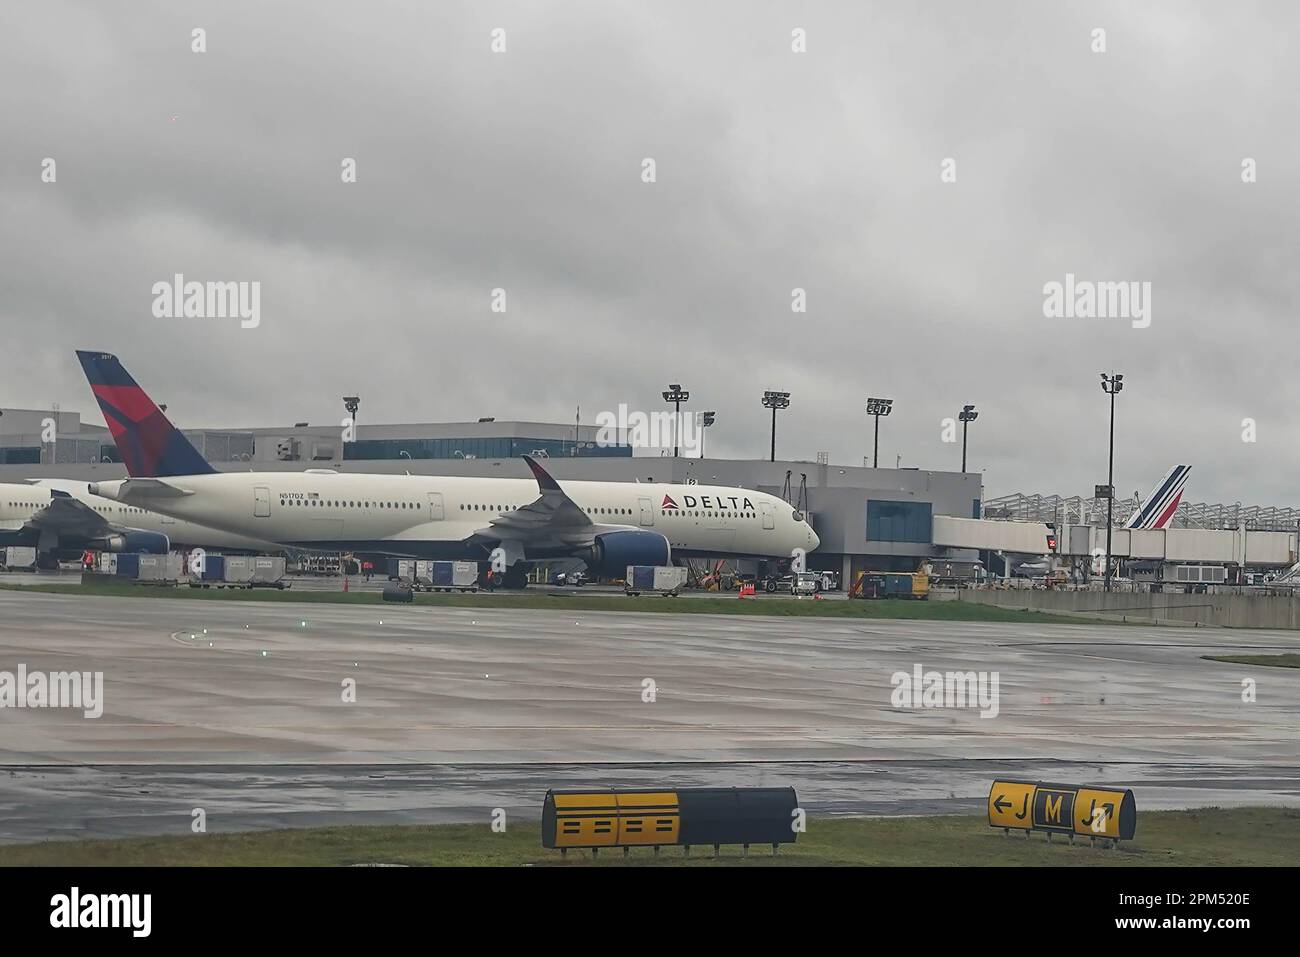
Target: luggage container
(155, 569)
(417, 574)
(127, 565)
(239, 571)
(268, 572)
(214, 569)
(422, 576)
(18, 558)
(666, 580)
(453, 576)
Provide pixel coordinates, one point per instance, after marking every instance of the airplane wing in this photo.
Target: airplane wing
(67, 515)
(551, 512)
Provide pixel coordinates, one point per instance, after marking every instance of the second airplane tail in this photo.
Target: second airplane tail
(1158, 508)
(150, 446)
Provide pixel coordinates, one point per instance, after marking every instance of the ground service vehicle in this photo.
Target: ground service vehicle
(806, 583)
(911, 585)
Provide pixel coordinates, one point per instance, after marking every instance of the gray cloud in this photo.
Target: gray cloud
(775, 171)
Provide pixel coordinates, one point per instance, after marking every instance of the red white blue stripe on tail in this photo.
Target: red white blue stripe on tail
(1158, 508)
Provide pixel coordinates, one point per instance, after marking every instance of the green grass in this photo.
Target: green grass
(1211, 836)
(1273, 661)
(568, 601)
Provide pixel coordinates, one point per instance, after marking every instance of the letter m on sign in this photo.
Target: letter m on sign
(1053, 809)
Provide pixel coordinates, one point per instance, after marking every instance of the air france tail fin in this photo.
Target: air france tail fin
(150, 446)
(1157, 509)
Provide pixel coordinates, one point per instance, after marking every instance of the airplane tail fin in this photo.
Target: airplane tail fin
(150, 446)
(1158, 508)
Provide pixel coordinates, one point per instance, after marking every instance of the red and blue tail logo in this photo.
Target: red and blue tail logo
(150, 446)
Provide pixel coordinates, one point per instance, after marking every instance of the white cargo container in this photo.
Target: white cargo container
(654, 579)
(268, 572)
(423, 574)
(669, 578)
(418, 573)
(18, 558)
(107, 564)
(238, 570)
(159, 568)
(453, 576)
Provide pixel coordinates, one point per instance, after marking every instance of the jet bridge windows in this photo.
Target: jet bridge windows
(889, 521)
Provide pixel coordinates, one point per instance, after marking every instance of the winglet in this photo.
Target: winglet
(544, 480)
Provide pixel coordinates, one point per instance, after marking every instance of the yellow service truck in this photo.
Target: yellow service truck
(892, 585)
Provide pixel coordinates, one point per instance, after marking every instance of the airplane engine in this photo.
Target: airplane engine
(155, 543)
(614, 551)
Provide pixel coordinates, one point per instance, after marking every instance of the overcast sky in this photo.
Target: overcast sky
(775, 170)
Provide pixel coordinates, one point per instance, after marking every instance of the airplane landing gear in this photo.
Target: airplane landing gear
(516, 576)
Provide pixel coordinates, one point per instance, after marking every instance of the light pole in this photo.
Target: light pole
(774, 401)
(676, 396)
(877, 408)
(968, 415)
(1112, 385)
(706, 420)
(352, 403)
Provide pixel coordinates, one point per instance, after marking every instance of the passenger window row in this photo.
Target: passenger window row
(696, 513)
(340, 503)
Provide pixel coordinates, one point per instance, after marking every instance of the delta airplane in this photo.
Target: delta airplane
(609, 525)
(60, 519)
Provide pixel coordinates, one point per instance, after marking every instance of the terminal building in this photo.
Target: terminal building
(867, 519)
(25, 440)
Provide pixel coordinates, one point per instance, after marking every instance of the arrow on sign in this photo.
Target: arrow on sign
(1097, 817)
(999, 804)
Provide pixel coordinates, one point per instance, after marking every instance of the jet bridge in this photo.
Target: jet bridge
(1230, 546)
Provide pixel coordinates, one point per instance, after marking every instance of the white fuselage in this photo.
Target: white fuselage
(433, 516)
(20, 502)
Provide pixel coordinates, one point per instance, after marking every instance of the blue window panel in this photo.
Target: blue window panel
(899, 522)
(21, 455)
